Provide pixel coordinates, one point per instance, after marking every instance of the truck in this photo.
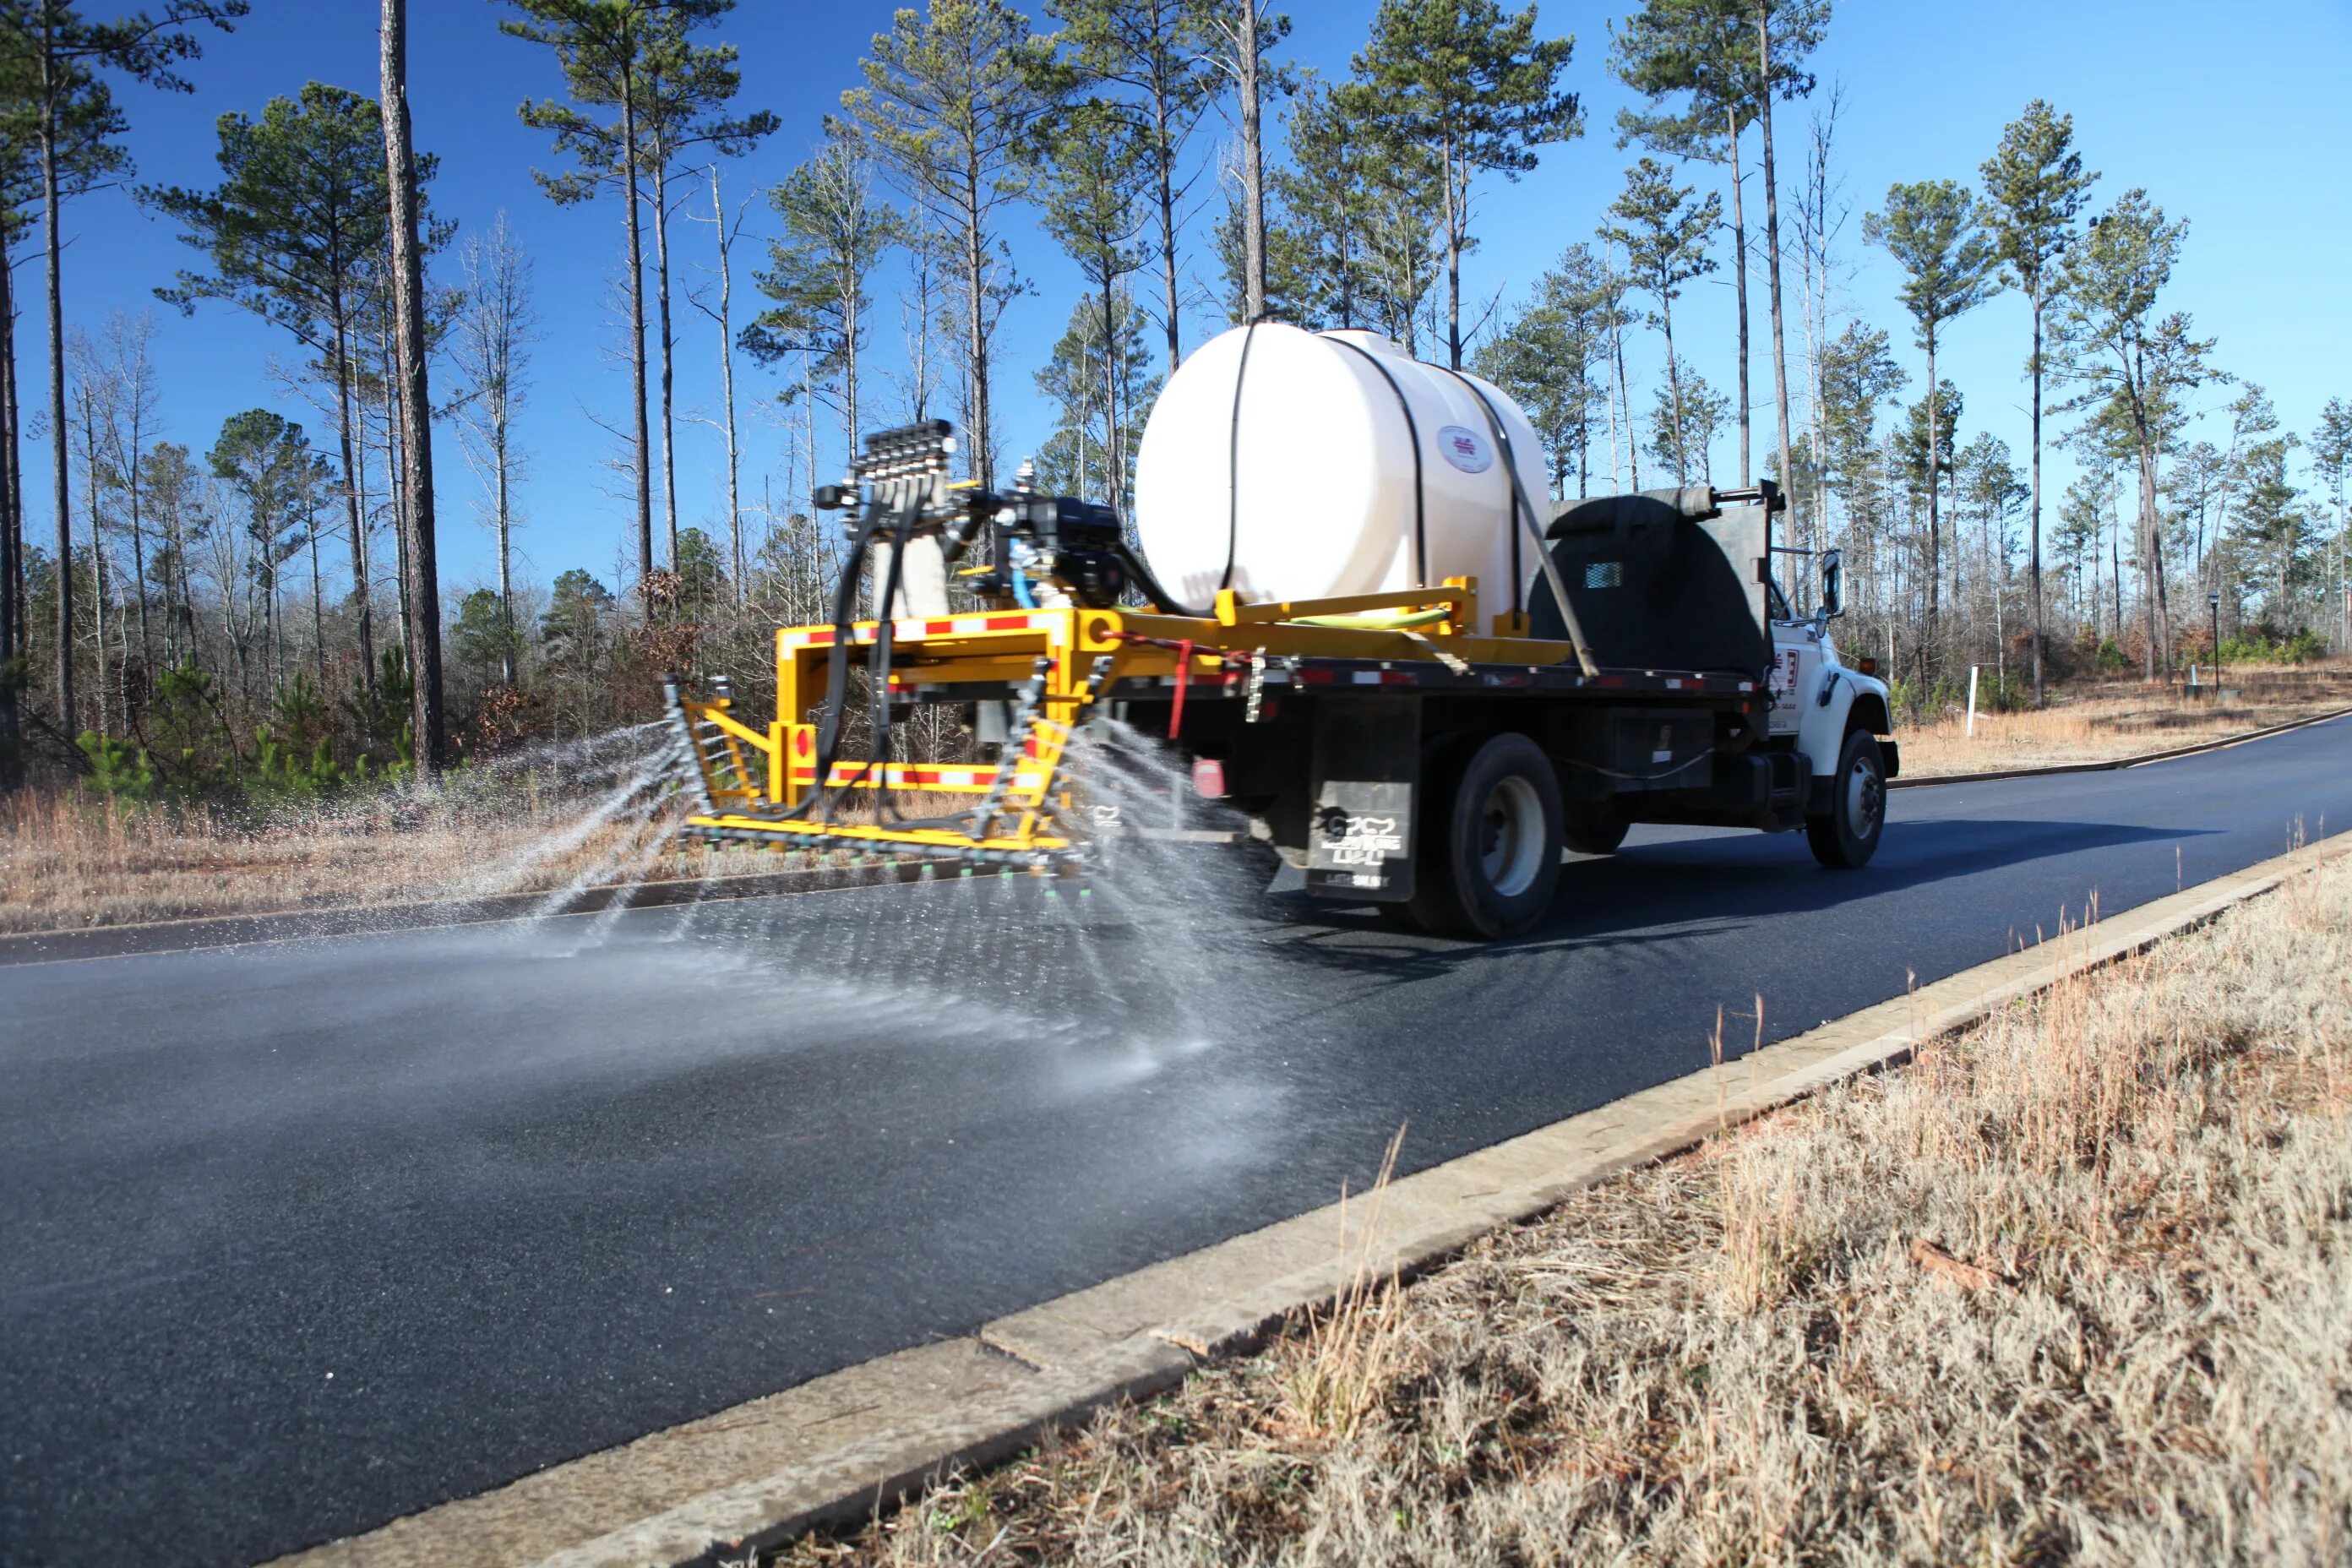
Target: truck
(1433, 748)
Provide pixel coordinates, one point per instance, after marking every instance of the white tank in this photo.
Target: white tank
(1323, 430)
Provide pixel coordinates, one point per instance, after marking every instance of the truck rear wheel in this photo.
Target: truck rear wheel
(1490, 838)
(1848, 837)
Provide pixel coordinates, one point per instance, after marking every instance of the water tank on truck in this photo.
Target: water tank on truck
(1285, 464)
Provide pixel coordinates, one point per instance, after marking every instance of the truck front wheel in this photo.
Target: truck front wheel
(1848, 837)
(1490, 838)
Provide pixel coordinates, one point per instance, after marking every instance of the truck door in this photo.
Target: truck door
(1796, 675)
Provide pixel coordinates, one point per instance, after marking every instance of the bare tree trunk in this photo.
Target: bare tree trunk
(637, 324)
(1739, 279)
(52, 249)
(1164, 170)
(1674, 385)
(396, 492)
(1252, 165)
(505, 553)
(1453, 200)
(12, 524)
(2034, 569)
(2157, 657)
(133, 462)
(354, 497)
(415, 393)
(975, 280)
(661, 308)
(318, 612)
(1931, 651)
(97, 565)
(1772, 238)
(727, 385)
(1624, 398)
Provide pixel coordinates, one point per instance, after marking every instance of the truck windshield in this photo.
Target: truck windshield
(1780, 611)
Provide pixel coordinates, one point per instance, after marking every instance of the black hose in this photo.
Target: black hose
(1161, 599)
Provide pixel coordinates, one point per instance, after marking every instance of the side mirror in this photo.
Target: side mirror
(1832, 583)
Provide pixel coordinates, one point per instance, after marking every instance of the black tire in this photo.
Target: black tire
(1848, 837)
(1488, 859)
(1597, 832)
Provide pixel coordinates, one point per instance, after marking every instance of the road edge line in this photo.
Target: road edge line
(841, 1446)
(2117, 764)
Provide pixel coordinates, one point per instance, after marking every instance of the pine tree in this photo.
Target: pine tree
(2034, 188)
(413, 392)
(1245, 32)
(1153, 60)
(686, 88)
(293, 232)
(2331, 454)
(1546, 357)
(494, 330)
(1702, 51)
(1684, 422)
(602, 48)
(835, 231)
(76, 128)
(1101, 399)
(1476, 88)
(1096, 167)
(1665, 234)
(2134, 370)
(1786, 32)
(1932, 230)
(267, 459)
(1325, 189)
(950, 95)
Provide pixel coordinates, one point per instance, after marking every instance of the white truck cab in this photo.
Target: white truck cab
(1835, 716)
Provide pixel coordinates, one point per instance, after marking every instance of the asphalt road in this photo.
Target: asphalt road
(298, 1237)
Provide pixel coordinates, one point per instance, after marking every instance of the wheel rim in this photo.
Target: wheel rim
(1510, 837)
(1865, 798)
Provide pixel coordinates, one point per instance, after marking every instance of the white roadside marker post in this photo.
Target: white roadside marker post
(1972, 700)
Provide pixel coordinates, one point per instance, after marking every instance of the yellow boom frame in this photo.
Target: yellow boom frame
(760, 785)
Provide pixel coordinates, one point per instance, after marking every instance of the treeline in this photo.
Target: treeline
(164, 612)
(209, 603)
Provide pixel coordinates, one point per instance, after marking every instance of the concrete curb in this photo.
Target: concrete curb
(2116, 764)
(836, 1448)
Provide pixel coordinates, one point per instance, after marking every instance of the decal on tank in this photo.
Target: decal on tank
(1464, 448)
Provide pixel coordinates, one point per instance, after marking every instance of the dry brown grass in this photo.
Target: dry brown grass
(67, 862)
(70, 862)
(2104, 724)
(2071, 1289)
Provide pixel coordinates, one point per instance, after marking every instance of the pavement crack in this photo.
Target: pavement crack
(1008, 1353)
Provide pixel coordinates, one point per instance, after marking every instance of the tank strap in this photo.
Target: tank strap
(1521, 506)
(1233, 463)
(1420, 499)
(1512, 498)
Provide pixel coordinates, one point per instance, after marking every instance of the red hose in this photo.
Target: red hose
(1183, 679)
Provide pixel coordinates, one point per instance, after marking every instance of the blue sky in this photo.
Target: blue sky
(2233, 117)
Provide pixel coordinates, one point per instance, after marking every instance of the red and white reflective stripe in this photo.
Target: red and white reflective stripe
(903, 776)
(941, 626)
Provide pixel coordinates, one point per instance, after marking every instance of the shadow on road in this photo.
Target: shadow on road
(1685, 887)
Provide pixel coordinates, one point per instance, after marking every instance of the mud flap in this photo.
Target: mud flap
(1365, 769)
